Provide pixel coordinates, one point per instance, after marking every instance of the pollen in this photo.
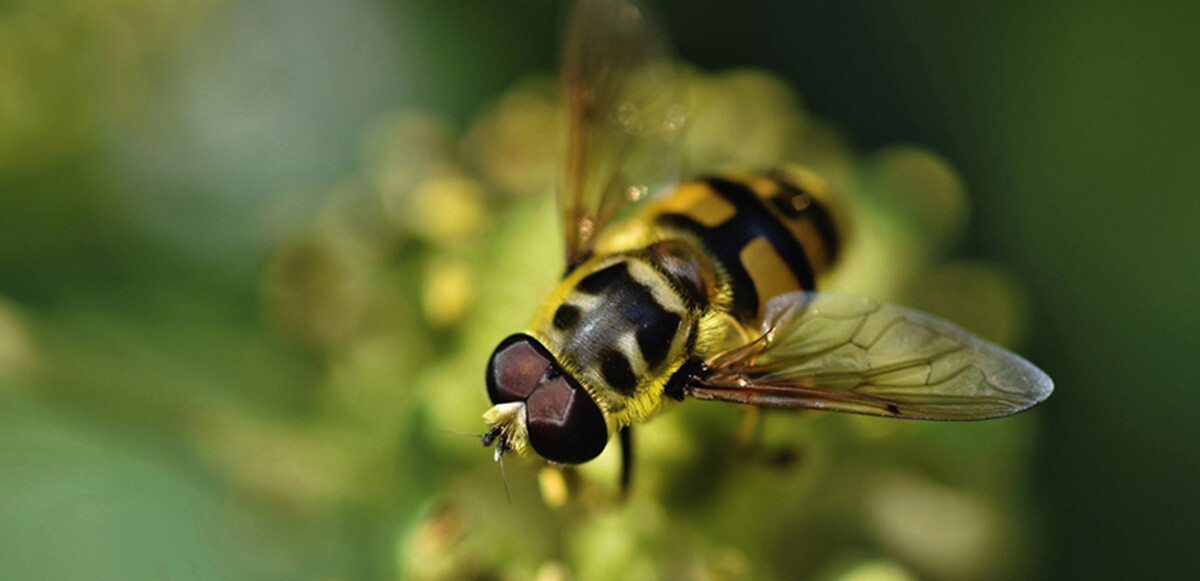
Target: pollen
(553, 484)
(448, 208)
(448, 291)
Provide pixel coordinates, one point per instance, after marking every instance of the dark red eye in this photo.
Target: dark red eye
(516, 369)
(564, 424)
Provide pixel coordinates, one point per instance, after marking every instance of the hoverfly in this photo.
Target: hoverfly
(706, 291)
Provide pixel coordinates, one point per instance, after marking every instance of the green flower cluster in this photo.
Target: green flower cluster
(439, 247)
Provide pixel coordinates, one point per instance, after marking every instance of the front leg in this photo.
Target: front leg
(626, 460)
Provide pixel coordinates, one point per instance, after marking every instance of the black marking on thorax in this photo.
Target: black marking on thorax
(615, 368)
(566, 317)
(626, 306)
(726, 241)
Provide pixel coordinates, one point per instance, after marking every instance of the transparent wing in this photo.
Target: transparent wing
(625, 115)
(852, 354)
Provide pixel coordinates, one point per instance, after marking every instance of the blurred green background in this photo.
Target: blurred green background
(253, 255)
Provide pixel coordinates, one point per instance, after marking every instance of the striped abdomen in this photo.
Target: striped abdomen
(770, 234)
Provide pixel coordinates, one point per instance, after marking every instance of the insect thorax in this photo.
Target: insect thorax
(623, 322)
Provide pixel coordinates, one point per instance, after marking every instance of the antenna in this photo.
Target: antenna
(503, 477)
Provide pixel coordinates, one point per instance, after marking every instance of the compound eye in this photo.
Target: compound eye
(564, 424)
(516, 369)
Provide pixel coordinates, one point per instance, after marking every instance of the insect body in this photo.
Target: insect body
(708, 292)
(661, 294)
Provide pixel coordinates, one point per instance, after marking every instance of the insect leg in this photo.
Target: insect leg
(751, 440)
(626, 459)
(749, 430)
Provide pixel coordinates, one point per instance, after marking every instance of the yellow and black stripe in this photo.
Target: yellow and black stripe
(625, 320)
(621, 322)
(769, 234)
